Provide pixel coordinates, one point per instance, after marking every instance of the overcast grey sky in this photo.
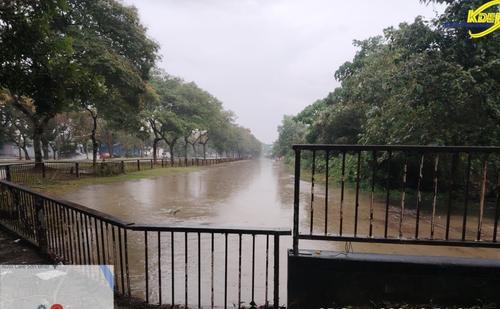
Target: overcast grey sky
(267, 58)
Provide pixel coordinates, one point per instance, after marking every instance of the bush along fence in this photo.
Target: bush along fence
(32, 173)
(190, 266)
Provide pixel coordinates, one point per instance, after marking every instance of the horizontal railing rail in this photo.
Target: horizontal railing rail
(160, 264)
(417, 148)
(406, 194)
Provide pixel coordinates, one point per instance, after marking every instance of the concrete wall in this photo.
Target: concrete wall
(331, 279)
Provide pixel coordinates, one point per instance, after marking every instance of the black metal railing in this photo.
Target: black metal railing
(429, 195)
(192, 266)
(31, 173)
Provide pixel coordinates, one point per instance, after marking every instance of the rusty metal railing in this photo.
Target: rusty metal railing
(428, 195)
(193, 266)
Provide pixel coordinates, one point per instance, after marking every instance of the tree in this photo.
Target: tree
(16, 128)
(61, 52)
(419, 83)
(290, 132)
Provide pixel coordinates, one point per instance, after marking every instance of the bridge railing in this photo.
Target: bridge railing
(427, 195)
(193, 266)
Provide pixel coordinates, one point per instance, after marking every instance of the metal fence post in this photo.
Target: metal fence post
(122, 167)
(77, 169)
(296, 196)
(8, 176)
(276, 298)
(43, 169)
(151, 163)
(138, 165)
(40, 228)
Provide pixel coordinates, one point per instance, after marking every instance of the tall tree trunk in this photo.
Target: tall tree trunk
(110, 144)
(186, 150)
(53, 151)
(26, 154)
(45, 148)
(205, 149)
(19, 149)
(194, 149)
(84, 145)
(93, 137)
(37, 141)
(155, 148)
(171, 149)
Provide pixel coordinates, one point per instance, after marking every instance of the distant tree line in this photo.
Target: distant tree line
(420, 83)
(82, 73)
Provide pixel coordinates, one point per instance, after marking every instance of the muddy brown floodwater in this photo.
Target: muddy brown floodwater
(257, 193)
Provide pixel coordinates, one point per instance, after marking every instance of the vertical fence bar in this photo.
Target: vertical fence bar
(97, 242)
(342, 185)
(312, 192)
(266, 301)
(276, 281)
(497, 208)
(121, 259)
(450, 196)
(252, 303)
(327, 159)
(102, 244)
(388, 193)
(466, 196)
(172, 256)
(87, 242)
(225, 270)
(8, 175)
(146, 266)
(115, 259)
(199, 270)
(482, 197)
(372, 192)
(419, 194)
(212, 271)
(159, 269)
(435, 194)
(403, 196)
(40, 227)
(186, 269)
(358, 167)
(239, 270)
(296, 199)
(67, 219)
(127, 270)
(77, 226)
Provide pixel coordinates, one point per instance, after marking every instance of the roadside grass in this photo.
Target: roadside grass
(56, 187)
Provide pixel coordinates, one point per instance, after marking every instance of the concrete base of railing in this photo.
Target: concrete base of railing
(324, 279)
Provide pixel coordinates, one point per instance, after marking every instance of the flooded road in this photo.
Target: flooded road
(256, 193)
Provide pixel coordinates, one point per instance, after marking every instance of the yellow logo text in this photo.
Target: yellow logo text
(478, 16)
